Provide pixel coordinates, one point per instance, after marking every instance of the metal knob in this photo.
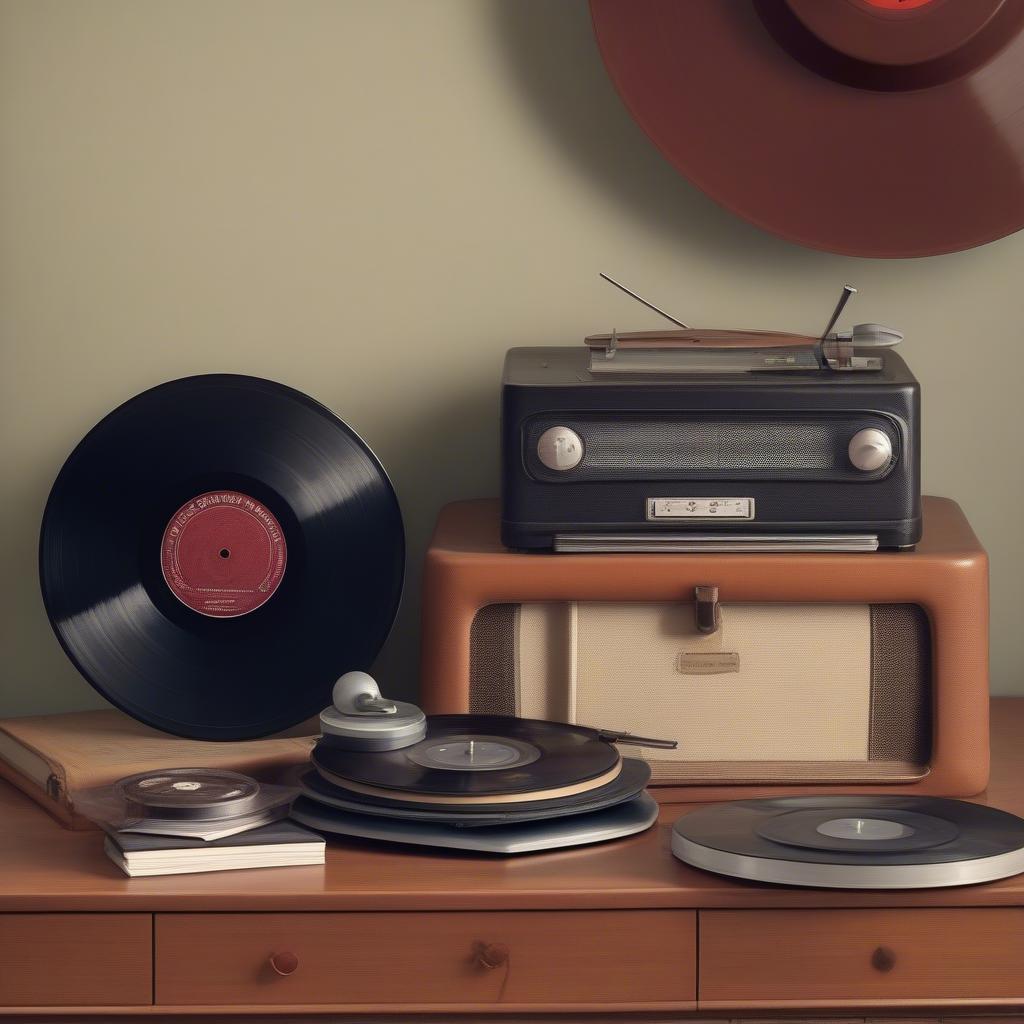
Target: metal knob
(284, 963)
(560, 448)
(870, 449)
(491, 954)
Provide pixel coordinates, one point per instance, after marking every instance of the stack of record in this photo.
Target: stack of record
(489, 783)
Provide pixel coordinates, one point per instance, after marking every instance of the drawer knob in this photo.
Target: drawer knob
(491, 955)
(883, 959)
(284, 963)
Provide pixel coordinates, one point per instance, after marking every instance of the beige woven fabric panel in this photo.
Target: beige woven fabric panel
(802, 691)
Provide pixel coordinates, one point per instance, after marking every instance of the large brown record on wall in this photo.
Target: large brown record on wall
(885, 128)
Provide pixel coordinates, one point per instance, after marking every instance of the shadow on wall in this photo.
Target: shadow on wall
(429, 483)
(552, 61)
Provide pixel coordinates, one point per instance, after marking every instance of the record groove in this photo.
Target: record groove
(553, 760)
(630, 783)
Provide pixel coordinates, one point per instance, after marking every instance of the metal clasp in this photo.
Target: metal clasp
(707, 610)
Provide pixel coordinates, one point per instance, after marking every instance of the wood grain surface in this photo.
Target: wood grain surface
(71, 959)
(889, 955)
(517, 958)
(46, 868)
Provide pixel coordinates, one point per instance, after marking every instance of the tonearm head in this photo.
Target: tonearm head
(837, 346)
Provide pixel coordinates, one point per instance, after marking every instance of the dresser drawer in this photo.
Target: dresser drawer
(76, 959)
(804, 955)
(412, 959)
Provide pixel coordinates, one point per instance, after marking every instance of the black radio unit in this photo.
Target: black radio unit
(691, 440)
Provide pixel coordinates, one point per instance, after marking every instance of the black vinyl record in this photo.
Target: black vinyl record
(629, 783)
(216, 552)
(477, 756)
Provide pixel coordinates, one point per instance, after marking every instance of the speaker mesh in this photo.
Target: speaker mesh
(712, 447)
(492, 660)
(901, 668)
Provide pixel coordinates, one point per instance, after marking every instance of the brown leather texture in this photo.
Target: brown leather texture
(700, 337)
(467, 569)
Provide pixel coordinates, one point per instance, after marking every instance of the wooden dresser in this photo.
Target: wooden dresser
(619, 930)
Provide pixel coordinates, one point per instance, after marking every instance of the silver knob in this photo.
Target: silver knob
(870, 449)
(560, 448)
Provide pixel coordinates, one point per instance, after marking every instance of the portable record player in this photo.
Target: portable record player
(696, 439)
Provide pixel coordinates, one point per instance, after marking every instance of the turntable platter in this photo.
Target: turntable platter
(853, 842)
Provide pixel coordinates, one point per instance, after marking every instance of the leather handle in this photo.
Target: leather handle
(491, 955)
(709, 614)
(701, 338)
(883, 959)
(284, 963)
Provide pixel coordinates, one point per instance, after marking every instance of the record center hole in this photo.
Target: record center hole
(224, 553)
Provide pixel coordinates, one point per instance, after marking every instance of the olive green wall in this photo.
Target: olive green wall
(371, 201)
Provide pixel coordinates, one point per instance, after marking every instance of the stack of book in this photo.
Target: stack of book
(281, 844)
(63, 760)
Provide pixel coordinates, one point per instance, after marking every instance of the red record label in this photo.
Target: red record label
(223, 554)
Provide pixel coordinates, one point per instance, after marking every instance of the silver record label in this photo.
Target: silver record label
(868, 830)
(473, 753)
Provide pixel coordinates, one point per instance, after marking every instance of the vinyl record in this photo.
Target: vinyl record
(865, 127)
(192, 794)
(853, 842)
(630, 782)
(216, 552)
(624, 819)
(469, 758)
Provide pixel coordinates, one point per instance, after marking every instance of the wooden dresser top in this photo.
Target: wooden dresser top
(44, 867)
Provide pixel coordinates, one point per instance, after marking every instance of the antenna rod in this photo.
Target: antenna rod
(649, 305)
(848, 290)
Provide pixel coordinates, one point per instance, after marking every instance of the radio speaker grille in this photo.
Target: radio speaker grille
(675, 447)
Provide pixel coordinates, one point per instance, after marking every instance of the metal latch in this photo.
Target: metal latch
(707, 609)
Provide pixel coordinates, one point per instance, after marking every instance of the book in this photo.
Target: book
(281, 844)
(53, 757)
